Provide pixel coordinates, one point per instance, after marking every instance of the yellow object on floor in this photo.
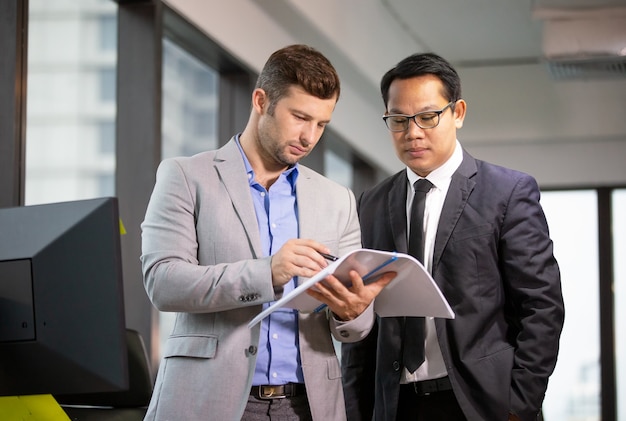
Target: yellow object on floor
(31, 408)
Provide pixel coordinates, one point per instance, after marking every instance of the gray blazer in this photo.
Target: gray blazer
(202, 258)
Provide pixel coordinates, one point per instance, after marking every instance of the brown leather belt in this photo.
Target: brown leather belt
(278, 391)
(427, 387)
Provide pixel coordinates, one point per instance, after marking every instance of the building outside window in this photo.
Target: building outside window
(619, 300)
(189, 123)
(190, 100)
(70, 153)
(574, 388)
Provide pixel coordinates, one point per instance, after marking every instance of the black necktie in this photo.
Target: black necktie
(413, 343)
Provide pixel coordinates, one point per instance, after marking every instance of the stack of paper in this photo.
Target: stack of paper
(413, 292)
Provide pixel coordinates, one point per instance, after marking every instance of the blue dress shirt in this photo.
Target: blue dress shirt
(278, 359)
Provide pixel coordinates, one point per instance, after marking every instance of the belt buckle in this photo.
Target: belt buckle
(427, 387)
(271, 392)
(418, 388)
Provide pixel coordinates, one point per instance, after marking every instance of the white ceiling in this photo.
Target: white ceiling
(496, 46)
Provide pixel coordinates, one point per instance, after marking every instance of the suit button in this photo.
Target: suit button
(252, 350)
(396, 366)
(344, 333)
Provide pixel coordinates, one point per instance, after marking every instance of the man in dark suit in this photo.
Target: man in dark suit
(485, 242)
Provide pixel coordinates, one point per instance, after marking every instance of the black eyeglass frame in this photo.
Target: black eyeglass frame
(413, 117)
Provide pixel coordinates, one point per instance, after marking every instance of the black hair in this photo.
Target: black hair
(420, 65)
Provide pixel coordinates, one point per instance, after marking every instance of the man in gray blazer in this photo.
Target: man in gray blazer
(229, 231)
(485, 240)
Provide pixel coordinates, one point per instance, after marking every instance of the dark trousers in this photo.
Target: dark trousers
(295, 408)
(437, 406)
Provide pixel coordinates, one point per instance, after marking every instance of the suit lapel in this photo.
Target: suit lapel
(460, 188)
(396, 208)
(229, 166)
(307, 217)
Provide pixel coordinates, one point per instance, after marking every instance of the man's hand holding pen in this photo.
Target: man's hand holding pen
(305, 257)
(329, 257)
(298, 257)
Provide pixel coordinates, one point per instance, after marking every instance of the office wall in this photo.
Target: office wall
(567, 134)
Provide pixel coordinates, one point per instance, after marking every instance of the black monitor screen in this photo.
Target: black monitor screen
(62, 327)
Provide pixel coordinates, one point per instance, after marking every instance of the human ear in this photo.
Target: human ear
(259, 100)
(460, 108)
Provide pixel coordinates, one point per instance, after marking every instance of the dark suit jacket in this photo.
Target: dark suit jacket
(493, 262)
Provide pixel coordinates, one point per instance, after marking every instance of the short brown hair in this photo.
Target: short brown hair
(299, 65)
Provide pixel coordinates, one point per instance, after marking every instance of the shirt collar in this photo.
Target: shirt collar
(291, 173)
(443, 174)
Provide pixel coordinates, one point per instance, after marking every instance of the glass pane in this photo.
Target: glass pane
(337, 169)
(619, 251)
(189, 124)
(70, 125)
(574, 388)
(190, 101)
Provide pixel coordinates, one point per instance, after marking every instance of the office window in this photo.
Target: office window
(189, 124)
(71, 98)
(619, 251)
(106, 136)
(337, 168)
(105, 184)
(108, 32)
(574, 388)
(107, 84)
(190, 98)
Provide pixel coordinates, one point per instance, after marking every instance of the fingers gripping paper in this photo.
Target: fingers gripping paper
(413, 292)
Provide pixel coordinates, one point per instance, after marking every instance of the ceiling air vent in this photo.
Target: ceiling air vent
(588, 68)
(584, 43)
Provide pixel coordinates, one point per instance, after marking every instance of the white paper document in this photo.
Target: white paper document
(413, 292)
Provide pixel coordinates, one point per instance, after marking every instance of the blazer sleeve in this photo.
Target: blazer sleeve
(534, 299)
(186, 273)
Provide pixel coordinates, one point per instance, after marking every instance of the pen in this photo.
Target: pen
(332, 259)
(319, 308)
(329, 257)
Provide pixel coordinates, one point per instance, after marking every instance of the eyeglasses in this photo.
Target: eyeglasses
(424, 120)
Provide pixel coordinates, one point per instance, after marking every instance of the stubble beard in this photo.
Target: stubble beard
(276, 152)
(283, 157)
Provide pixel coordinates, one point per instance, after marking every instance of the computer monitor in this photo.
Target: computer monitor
(62, 327)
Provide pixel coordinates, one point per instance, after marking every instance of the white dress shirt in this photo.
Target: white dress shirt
(433, 366)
